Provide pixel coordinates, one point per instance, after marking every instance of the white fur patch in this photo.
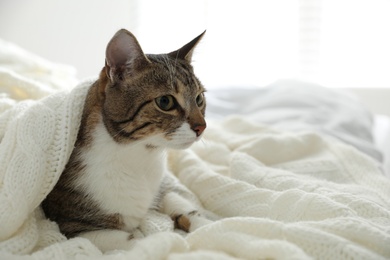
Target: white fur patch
(183, 137)
(122, 178)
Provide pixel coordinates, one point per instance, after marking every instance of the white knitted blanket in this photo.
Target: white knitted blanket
(279, 195)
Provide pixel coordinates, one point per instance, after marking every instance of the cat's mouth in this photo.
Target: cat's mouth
(184, 144)
(187, 144)
(183, 137)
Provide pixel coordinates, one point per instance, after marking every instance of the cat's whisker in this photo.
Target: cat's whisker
(119, 132)
(204, 142)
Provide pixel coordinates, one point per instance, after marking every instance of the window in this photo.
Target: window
(337, 43)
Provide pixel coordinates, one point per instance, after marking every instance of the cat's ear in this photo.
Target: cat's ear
(185, 52)
(124, 55)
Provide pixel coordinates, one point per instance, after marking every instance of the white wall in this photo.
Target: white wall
(72, 32)
(76, 32)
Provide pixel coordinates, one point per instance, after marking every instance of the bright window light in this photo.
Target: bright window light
(337, 43)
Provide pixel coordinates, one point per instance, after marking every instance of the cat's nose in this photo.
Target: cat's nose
(198, 129)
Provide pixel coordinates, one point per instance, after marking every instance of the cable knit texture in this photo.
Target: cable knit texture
(279, 195)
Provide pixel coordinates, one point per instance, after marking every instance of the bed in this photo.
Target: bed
(292, 171)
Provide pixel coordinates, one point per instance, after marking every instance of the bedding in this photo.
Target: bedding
(296, 106)
(291, 170)
(381, 134)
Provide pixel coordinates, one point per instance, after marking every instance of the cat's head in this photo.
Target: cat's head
(152, 98)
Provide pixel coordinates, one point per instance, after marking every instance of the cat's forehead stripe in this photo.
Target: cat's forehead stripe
(187, 79)
(175, 86)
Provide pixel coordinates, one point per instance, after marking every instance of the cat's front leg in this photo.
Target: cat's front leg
(184, 213)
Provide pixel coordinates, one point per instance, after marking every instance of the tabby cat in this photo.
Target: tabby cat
(140, 106)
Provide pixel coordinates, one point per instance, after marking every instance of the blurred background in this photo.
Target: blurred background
(336, 43)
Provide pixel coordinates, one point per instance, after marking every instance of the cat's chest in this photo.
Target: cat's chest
(121, 178)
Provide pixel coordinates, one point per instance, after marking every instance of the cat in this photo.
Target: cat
(140, 106)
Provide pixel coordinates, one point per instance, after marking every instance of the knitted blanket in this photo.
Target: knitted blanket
(278, 195)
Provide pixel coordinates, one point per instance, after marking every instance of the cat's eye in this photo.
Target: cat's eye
(166, 103)
(199, 100)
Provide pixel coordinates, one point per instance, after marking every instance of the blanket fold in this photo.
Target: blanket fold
(36, 142)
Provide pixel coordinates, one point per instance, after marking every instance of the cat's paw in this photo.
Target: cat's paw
(136, 234)
(190, 221)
